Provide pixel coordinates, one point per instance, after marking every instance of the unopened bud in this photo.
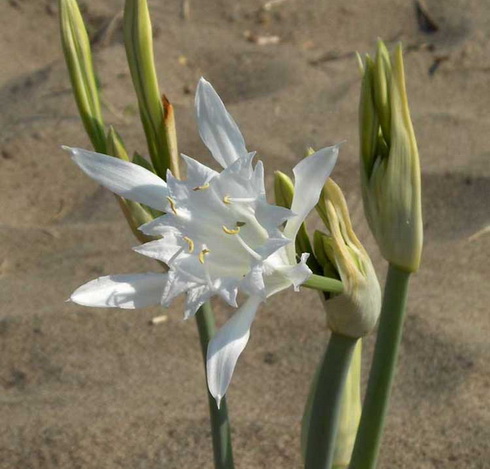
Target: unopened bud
(390, 168)
(78, 57)
(159, 128)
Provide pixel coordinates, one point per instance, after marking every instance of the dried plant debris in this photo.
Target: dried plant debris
(425, 20)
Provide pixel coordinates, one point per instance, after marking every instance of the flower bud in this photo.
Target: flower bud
(156, 117)
(353, 313)
(390, 169)
(76, 47)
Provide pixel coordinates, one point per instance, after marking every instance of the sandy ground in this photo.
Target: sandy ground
(83, 388)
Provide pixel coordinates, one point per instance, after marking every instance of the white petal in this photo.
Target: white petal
(253, 282)
(196, 297)
(122, 291)
(161, 249)
(280, 274)
(197, 173)
(227, 345)
(122, 177)
(157, 227)
(176, 284)
(297, 274)
(217, 128)
(310, 175)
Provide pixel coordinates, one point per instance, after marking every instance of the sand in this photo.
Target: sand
(91, 389)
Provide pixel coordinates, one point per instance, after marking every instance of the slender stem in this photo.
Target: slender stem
(220, 425)
(368, 439)
(318, 282)
(325, 412)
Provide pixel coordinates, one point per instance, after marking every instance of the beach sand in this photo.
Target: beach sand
(87, 388)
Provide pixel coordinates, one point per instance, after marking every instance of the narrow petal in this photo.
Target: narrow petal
(310, 175)
(253, 282)
(161, 249)
(227, 345)
(197, 173)
(297, 274)
(217, 128)
(122, 177)
(121, 291)
(196, 297)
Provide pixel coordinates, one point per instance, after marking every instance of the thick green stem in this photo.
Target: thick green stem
(220, 425)
(368, 439)
(327, 284)
(327, 400)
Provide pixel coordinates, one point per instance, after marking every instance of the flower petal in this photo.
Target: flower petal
(196, 297)
(217, 128)
(122, 177)
(227, 345)
(161, 249)
(122, 291)
(197, 173)
(310, 175)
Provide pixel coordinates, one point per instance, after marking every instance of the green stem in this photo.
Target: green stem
(318, 282)
(368, 439)
(220, 425)
(327, 399)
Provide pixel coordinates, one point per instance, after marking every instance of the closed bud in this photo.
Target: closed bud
(390, 168)
(156, 116)
(78, 57)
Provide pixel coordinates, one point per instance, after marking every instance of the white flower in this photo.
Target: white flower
(219, 235)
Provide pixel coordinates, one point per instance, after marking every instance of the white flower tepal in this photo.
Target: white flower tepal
(219, 235)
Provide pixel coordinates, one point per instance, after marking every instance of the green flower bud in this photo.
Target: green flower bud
(156, 116)
(353, 313)
(390, 169)
(76, 47)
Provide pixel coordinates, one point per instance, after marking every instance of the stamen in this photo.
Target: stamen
(247, 248)
(231, 232)
(230, 200)
(201, 188)
(189, 242)
(172, 204)
(202, 254)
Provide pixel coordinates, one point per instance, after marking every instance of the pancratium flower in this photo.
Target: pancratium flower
(218, 236)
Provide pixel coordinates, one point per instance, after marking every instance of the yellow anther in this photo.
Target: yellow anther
(201, 188)
(226, 199)
(231, 232)
(172, 204)
(202, 254)
(190, 243)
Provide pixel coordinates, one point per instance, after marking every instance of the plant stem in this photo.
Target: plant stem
(368, 439)
(325, 411)
(220, 425)
(318, 282)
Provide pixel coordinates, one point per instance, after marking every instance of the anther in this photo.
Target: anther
(202, 254)
(231, 232)
(172, 204)
(190, 243)
(226, 200)
(201, 188)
